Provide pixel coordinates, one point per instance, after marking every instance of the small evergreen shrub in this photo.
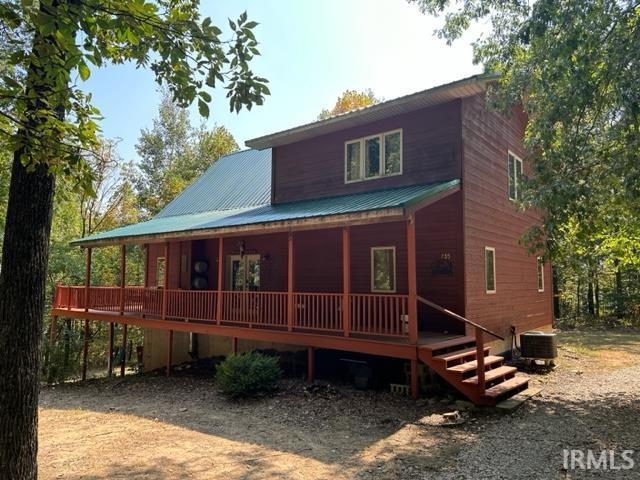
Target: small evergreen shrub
(247, 374)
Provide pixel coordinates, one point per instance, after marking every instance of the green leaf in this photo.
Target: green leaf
(84, 71)
(205, 96)
(203, 108)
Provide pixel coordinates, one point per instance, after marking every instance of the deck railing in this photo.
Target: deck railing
(370, 314)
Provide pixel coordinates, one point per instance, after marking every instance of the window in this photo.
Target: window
(383, 269)
(160, 272)
(352, 153)
(373, 157)
(514, 167)
(540, 266)
(490, 269)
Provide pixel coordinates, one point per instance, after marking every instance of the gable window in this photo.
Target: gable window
(373, 157)
(490, 269)
(160, 272)
(540, 267)
(514, 167)
(383, 269)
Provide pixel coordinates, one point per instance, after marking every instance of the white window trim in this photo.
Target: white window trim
(393, 249)
(495, 282)
(515, 175)
(362, 140)
(540, 268)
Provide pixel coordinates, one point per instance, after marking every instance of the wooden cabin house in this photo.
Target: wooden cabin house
(391, 230)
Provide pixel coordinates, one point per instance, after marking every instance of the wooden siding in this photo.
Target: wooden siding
(314, 168)
(491, 219)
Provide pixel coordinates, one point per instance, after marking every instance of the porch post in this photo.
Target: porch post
(169, 351)
(346, 280)
(123, 364)
(311, 370)
(234, 345)
(123, 275)
(110, 357)
(87, 281)
(414, 379)
(53, 326)
(412, 280)
(165, 296)
(290, 279)
(85, 350)
(220, 280)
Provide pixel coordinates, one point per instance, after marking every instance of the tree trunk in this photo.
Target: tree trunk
(22, 283)
(590, 306)
(23, 273)
(596, 293)
(556, 292)
(619, 295)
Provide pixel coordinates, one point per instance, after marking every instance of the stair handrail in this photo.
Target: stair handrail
(456, 316)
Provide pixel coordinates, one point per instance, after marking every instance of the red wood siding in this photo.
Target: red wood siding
(438, 235)
(315, 168)
(318, 261)
(490, 219)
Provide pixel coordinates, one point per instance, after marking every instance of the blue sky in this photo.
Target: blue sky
(311, 52)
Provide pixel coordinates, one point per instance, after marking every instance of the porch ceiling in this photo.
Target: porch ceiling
(362, 206)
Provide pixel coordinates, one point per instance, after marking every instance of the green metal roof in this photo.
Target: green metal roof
(238, 180)
(401, 197)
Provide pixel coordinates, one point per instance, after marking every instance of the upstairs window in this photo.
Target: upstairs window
(540, 266)
(383, 269)
(490, 269)
(373, 157)
(514, 168)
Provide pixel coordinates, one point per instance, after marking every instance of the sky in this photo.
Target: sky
(311, 52)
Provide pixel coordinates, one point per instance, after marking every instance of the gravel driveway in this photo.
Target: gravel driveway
(157, 428)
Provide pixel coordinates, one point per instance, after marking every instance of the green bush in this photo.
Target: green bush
(248, 373)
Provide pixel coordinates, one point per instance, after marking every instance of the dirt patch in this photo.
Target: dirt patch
(153, 427)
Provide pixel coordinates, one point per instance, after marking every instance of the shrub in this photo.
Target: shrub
(248, 373)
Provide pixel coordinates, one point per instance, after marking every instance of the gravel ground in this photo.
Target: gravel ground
(150, 427)
(574, 411)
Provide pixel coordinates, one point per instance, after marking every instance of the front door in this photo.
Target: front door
(243, 273)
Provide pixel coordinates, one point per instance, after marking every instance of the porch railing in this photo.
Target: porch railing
(370, 314)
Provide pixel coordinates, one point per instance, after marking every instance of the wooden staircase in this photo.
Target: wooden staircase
(456, 361)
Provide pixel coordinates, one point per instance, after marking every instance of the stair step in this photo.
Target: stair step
(460, 354)
(454, 342)
(491, 375)
(505, 387)
(470, 366)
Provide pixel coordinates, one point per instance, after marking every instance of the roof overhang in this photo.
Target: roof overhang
(441, 94)
(365, 217)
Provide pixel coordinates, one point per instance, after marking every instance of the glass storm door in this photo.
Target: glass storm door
(244, 273)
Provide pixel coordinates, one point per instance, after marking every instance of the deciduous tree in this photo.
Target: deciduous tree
(50, 124)
(350, 100)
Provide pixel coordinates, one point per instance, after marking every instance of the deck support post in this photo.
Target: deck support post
(220, 280)
(123, 275)
(414, 379)
(169, 351)
(412, 280)
(290, 281)
(123, 364)
(346, 280)
(480, 360)
(165, 286)
(234, 345)
(87, 282)
(85, 350)
(311, 368)
(110, 347)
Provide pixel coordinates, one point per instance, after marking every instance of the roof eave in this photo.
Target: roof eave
(403, 104)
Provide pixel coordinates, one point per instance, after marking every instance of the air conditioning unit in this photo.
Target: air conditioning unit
(538, 345)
